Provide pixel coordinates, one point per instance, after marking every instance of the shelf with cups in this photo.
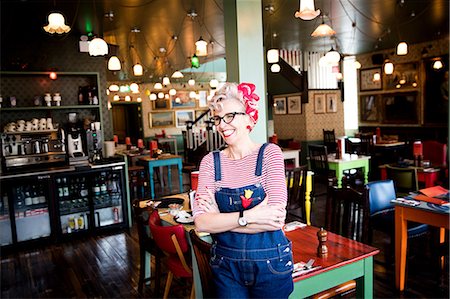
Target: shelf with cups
(31, 132)
(52, 107)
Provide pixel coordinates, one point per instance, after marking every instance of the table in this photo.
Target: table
(347, 259)
(163, 160)
(169, 140)
(429, 176)
(427, 213)
(294, 154)
(348, 162)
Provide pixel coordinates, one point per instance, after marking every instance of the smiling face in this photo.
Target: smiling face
(236, 131)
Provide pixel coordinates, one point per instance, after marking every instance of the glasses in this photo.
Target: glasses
(227, 118)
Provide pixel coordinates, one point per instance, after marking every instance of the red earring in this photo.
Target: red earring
(249, 128)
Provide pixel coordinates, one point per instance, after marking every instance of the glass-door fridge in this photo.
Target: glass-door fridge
(5, 220)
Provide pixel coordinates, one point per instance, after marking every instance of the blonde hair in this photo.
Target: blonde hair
(226, 92)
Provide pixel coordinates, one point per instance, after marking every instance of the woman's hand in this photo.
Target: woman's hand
(272, 215)
(208, 203)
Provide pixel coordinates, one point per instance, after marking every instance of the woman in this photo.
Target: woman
(241, 200)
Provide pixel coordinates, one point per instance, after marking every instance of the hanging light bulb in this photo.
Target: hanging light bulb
(323, 30)
(114, 64)
(166, 81)
(357, 64)
(191, 82)
(177, 74)
(138, 70)
(98, 47)
(53, 76)
(157, 85)
(307, 10)
(153, 96)
(376, 77)
(333, 56)
(388, 67)
(172, 91)
(275, 68)
(134, 88)
(213, 83)
(56, 24)
(201, 47)
(273, 56)
(437, 65)
(402, 48)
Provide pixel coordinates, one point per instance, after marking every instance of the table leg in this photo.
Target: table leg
(152, 184)
(169, 180)
(180, 175)
(366, 174)
(364, 284)
(308, 198)
(401, 239)
(339, 176)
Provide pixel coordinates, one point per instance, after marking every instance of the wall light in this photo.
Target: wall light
(177, 74)
(53, 76)
(127, 99)
(323, 30)
(166, 81)
(437, 65)
(376, 77)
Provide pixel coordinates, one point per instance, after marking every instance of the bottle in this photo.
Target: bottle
(103, 188)
(42, 198)
(80, 221)
(34, 195)
(96, 187)
(60, 188)
(80, 96)
(65, 188)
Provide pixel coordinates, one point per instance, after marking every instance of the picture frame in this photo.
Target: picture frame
(409, 72)
(203, 99)
(369, 108)
(294, 104)
(182, 116)
(331, 100)
(161, 104)
(184, 102)
(366, 82)
(279, 104)
(319, 103)
(161, 119)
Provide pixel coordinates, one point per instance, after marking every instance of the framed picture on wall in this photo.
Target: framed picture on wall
(368, 108)
(182, 116)
(160, 104)
(161, 119)
(294, 104)
(202, 98)
(182, 100)
(366, 81)
(279, 104)
(319, 103)
(331, 102)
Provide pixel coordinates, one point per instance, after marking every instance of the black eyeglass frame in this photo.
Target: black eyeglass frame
(217, 119)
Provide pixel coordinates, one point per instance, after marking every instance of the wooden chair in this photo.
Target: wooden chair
(202, 252)
(296, 190)
(329, 140)
(318, 163)
(146, 245)
(172, 241)
(366, 143)
(405, 179)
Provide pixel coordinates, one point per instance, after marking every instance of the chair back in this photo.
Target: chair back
(329, 140)
(380, 194)
(296, 191)
(366, 146)
(141, 216)
(318, 159)
(405, 179)
(348, 213)
(435, 151)
(163, 235)
(202, 252)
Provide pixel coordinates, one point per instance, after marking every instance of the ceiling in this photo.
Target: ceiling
(139, 29)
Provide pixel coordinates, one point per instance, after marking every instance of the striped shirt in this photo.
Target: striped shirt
(240, 173)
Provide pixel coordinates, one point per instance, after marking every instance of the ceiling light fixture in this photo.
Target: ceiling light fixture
(275, 68)
(307, 10)
(195, 62)
(201, 47)
(114, 64)
(172, 91)
(166, 81)
(376, 77)
(402, 48)
(98, 47)
(323, 30)
(437, 65)
(157, 85)
(153, 96)
(388, 67)
(191, 82)
(134, 88)
(273, 56)
(177, 74)
(56, 24)
(333, 56)
(138, 70)
(213, 83)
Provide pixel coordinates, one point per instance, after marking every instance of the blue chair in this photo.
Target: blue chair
(381, 211)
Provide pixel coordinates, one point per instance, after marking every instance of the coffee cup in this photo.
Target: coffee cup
(28, 126)
(20, 127)
(35, 121)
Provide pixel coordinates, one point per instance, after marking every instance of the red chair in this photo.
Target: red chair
(436, 152)
(172, 241)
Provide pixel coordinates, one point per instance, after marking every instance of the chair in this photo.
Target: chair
(436, 152)
(318, 163)
(172, 241)
(146, 245)
(296, 191)
(381, 211)
(366, 143)
(347, 215)
(137, 181)
(329, 140)
(405, 179)
(202, 252)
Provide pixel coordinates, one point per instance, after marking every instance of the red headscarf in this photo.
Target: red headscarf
(250, 100)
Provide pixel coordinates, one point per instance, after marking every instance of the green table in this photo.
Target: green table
(347, 163)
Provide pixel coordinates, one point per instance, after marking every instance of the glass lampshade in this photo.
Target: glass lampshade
(157, 85)
(153, 96)
(275, 68)
(273, 56)
(172, 91)
(191, 82)
(388, 68)
(127, 99)
(307, 10)
(333, 56)
(213, 83)
(116, 98)
(201, 47)
(138, 70)
(177, 74)
(437, 65)
(56, 24)
(357, 64)
(113, 87)
(323, 30)
(166, 81)
(134, 88)
(402, 48)
(98, 47)
(160, 95)
(114, 64)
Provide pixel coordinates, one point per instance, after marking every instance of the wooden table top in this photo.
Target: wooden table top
(341, 251)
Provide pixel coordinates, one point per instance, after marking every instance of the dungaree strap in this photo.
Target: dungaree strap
(217, 170)
(259, 164)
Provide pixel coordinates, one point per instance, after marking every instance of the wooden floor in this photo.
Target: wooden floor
(107, 266)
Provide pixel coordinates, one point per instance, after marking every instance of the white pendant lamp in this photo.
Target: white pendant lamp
(307, 10)
(201, 47)
(138, 70)
(139, 99)
(177, 74)
(113, 87)
(402, 48)
(376, 77)
(127, 99)
(172, 91)
(166, 81)
(116, 98)
(333, 56)
(114, 64)
(388, 67)
(213, 83)
(160, 95)
(153, 97)
(98, 47)
(157, 85)
(192, 94)
(56, 24)
(134, 88)
(275, 68)
(273, 56)
(437, 65)
(323, 30)
(357, 64)
(191, 82)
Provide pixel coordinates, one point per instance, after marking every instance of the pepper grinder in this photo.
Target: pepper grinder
(322, 249)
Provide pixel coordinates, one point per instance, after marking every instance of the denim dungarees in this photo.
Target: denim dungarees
(249, 265)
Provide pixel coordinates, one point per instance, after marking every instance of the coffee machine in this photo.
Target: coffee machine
(94, 142)
(74, 133)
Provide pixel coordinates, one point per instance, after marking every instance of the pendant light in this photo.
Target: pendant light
(201, 47)
(98, 47)
(191, 82)
(273, 56)
(157, 85)
(56, 24)
(153, 96)
(437, 65)
(166, 81)
(177, 74)
(307, 10)
(114, 64)
(402, 48)
(195, 62)
(357, 64)
(323, 30)
(134, 88)
(333, 56)
(388, 67)
(138, 70)
(172, 91)
(213, 83)
(275, 68)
